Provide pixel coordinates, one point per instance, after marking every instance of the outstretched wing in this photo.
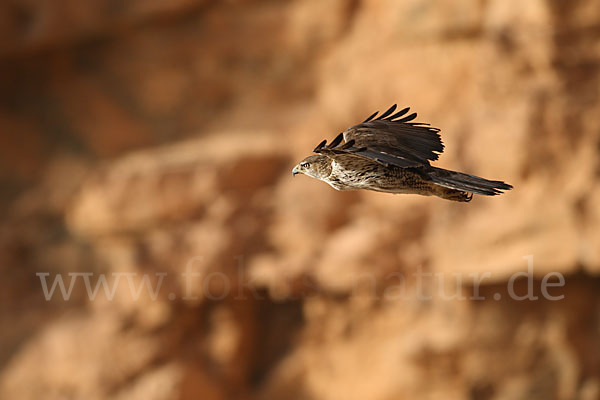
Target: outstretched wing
(389, 139)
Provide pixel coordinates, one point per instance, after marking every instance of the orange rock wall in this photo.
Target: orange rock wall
(157, 138)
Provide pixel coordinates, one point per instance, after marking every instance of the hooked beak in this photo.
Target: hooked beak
(295, 171)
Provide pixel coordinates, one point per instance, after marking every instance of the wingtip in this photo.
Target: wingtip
(320, 146)
(370, 117)
(388, 112)
(336, 141)
(398, 114)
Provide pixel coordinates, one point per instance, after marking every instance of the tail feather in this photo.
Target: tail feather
(467, 183)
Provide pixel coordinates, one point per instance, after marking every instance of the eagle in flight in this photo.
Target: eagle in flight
(390, 153)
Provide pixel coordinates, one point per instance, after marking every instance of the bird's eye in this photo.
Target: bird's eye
(304, 165)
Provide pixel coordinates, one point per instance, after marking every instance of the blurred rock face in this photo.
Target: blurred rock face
(152, 144)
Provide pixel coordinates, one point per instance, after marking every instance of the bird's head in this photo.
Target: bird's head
(314, 166)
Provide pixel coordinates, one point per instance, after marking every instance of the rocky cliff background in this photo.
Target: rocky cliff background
(155, 139)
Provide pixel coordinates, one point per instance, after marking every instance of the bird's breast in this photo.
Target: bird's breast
(349, 177)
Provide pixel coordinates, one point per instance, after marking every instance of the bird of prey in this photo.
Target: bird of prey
(390, 153)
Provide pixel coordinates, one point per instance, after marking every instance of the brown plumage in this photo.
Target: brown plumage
(392, 154)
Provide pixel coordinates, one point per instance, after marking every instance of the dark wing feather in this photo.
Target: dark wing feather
(336, 151)
(390, 139)
(394, 139)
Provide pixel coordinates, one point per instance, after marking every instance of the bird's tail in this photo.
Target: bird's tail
(467, 183)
